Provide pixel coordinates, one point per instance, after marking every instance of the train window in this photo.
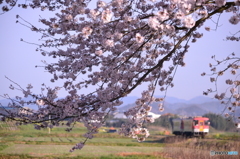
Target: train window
(201, 123)
(195, 122)
(206, 122)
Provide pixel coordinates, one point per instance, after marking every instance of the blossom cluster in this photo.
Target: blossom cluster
(114, 47)
(231, 97)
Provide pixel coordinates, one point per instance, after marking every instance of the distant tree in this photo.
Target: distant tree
(116, 122)
(119, 45)
(219, 122)
(165, 120)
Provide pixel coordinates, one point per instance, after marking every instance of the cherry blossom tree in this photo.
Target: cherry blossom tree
(118, 45)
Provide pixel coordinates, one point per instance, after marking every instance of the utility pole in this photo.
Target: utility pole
(49, 129)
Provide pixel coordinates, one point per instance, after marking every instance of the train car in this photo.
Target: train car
(197, 126)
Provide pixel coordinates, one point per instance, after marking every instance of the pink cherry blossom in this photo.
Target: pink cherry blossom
(112, 48)
(220, 3)
(189, 22)
(106, 16)
(153, 23)
(86, 31)
(139, 38)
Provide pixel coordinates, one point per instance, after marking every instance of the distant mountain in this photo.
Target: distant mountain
(193, 110)
(155, 108)
(174, 106)
(6, 110)
(215, 107)
(124, 108)
(4, 102)
(197, 106)
(172, 100)
(201, 100)
(195, 100)
(129, 100)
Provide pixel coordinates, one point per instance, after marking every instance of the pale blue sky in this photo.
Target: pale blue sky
(18, 59)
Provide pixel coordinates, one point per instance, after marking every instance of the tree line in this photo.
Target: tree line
(217, 122)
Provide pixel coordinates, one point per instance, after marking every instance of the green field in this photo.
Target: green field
(25, 142)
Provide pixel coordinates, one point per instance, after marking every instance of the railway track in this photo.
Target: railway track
(173, 139)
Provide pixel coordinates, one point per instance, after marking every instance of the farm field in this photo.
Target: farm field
(25, 142)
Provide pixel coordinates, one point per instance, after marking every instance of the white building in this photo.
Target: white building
(153, 115)
(123, 116)
(120, 116)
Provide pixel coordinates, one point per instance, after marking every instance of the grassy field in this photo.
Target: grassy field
(25, 142)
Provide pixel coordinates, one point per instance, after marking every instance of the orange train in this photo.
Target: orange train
(197, 126)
